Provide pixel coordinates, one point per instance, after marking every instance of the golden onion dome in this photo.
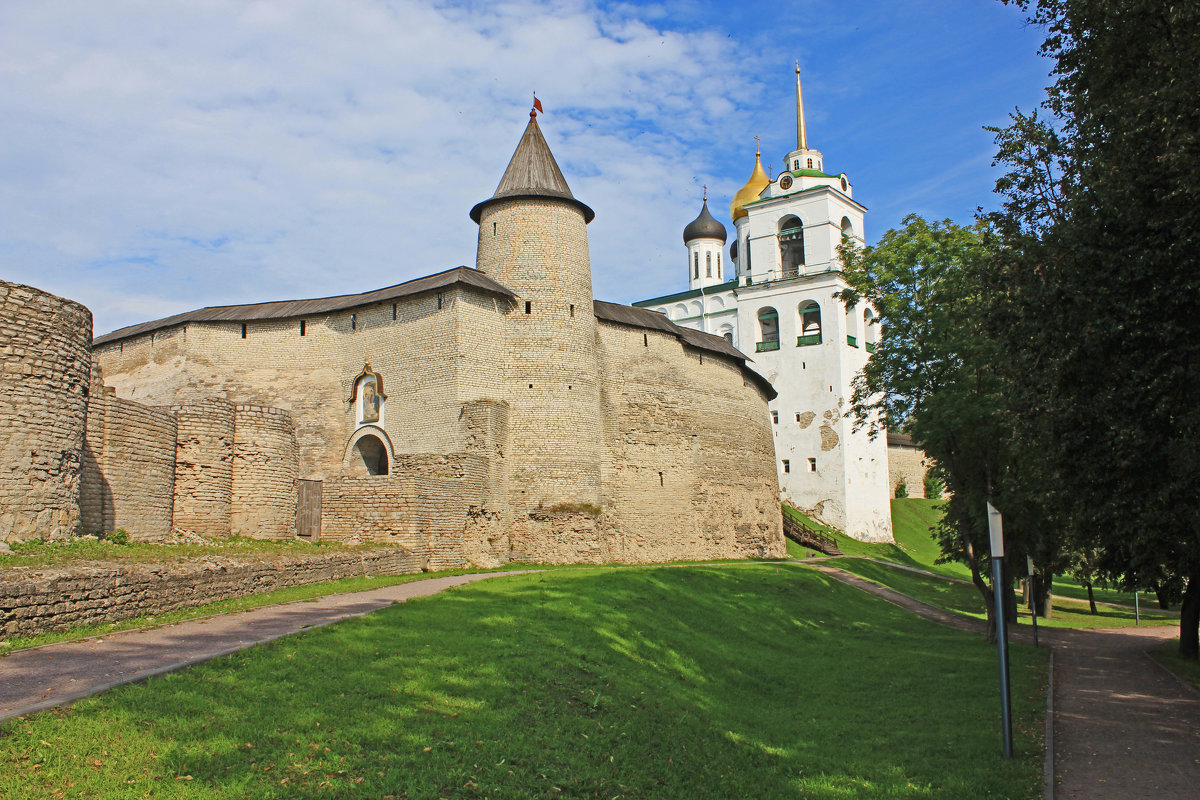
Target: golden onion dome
(750, 192)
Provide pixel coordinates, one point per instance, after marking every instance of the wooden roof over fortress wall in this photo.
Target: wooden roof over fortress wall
(467, 276)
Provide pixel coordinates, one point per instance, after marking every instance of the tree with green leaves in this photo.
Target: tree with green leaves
(1096, 288)
(936, 369)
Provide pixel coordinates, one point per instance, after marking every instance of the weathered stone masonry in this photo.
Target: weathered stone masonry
(44, 375)
(37, 600)
(504, 414)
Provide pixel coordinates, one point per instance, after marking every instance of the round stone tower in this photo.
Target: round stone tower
(533, 240)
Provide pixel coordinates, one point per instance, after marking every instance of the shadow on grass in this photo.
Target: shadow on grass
(668, 683)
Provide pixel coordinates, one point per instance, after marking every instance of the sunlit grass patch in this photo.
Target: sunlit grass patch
(964, 598)
(700, 682)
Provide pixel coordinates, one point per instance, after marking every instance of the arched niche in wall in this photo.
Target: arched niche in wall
(367, 399)
(368, 452)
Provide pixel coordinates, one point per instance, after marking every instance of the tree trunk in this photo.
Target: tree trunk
(1164, 602)
(1091, 598)
(1011, 610)
(1189, 618)
(989, 601)
(1043, 585)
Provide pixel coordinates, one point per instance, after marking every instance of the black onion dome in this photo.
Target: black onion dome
(704, 227)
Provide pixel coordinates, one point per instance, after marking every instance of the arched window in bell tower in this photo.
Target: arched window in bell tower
(791, 246)
(696, 264)
(768, 329)
(708, 265)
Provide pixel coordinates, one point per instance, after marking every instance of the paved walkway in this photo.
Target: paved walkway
(1123, 726)
(44, 677)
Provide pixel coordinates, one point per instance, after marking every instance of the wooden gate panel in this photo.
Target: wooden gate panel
(308, 509)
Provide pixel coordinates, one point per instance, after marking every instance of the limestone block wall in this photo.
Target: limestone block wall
(37, 600)
(416, 343)
(539, 250)
(263, 473)
(689, 466)
(128, 468)
(908, 464)
(425, 511)
(204, 467)
(45, 370)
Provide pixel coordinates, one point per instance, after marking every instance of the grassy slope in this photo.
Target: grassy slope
(912, 520)
(703, 682)
(1187, 670)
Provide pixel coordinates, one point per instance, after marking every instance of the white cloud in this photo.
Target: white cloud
(157, 156)
(164, 156)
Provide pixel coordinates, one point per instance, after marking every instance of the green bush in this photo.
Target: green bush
(934, 486)
(902, 488)
(119, 536)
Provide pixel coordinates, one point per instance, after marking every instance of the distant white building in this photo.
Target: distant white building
(775, 300)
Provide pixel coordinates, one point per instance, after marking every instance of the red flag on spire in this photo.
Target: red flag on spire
(537, 104)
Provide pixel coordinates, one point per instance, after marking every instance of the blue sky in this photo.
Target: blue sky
(156, 157)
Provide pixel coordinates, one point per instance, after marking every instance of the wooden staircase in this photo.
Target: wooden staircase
(808, 537)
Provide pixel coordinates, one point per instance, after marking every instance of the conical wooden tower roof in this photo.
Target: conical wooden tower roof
(533, 172)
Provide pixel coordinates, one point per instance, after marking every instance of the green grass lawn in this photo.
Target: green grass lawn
(964, 598)
(914, 518)
(1167, 654)
(754, 681)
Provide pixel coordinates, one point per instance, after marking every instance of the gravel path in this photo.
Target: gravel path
(1124, 727)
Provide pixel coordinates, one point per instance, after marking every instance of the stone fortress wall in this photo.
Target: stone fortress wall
(44, 383)
(907, 464)
(128, 468)
(668, 416)
(512, 417)
(79, 459)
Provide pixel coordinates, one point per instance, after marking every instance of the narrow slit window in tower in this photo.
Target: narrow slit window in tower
(787, 465)
(243, 330)
(302, 328)
(528, 306)
(708, 265)
(354, 322)
(394, 310)
(572, 311)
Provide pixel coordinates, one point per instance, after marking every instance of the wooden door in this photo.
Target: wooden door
(308, 509)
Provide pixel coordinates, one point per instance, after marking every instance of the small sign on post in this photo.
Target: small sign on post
(1032, 597)
(996, 531)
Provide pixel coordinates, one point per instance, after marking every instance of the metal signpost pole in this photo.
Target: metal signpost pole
(1032, 598)
(995, 528)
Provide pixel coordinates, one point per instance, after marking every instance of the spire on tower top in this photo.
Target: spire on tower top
(533, 172)
(801, 133)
